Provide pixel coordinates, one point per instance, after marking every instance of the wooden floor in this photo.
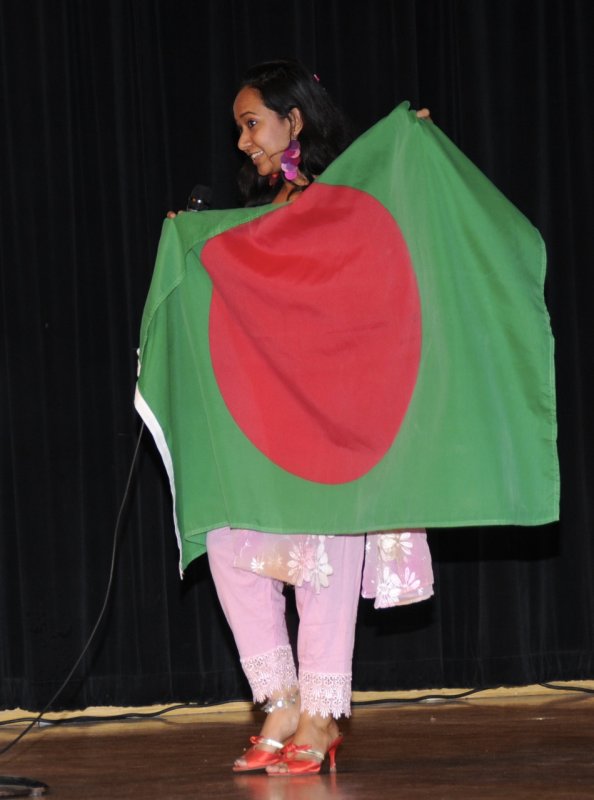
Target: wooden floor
(531, 747)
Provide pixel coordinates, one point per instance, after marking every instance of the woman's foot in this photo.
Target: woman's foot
(315, 733)
(282, 718)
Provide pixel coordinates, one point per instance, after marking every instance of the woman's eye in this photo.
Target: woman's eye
(251, 123)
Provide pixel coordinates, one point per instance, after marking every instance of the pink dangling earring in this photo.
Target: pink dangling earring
(290, 160)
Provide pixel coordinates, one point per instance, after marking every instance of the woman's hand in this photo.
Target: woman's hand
(424, 113)
(172, 214)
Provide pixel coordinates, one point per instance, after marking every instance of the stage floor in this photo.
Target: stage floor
(513, 747)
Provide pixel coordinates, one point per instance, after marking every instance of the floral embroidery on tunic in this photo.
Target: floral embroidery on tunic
(391, 545)
(309, 562)
(256, 565)
(388, 589)
(397, 568)
(410, 581)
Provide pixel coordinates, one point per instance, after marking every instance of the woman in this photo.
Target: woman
(290, 131)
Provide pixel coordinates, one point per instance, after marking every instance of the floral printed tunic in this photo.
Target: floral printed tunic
(397, 568)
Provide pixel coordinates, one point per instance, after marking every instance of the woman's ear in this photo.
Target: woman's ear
(296, 121)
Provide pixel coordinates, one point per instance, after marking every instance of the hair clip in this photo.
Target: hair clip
(316, 77)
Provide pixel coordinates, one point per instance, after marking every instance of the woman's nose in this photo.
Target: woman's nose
(243, 140)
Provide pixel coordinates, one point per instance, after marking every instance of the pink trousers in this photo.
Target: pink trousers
(254, 606)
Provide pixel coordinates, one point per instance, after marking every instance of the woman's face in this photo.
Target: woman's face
(263, 135)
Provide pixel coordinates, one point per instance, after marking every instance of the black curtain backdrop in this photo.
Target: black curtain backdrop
(111, 112)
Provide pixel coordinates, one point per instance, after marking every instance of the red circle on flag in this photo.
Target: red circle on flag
(315, 331)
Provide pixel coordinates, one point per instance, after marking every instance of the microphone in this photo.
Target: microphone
(200, 198)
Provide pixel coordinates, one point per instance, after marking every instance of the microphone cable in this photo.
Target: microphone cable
(200, 198)
(39, 717)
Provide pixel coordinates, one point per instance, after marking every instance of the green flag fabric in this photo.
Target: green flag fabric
(375, 355)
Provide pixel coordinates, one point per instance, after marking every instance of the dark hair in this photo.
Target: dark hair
(284, 85)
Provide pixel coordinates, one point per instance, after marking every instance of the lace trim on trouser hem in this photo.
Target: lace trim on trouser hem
(270, 672)
(326, 693)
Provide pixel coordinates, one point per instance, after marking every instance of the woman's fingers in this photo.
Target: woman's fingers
(424, 113)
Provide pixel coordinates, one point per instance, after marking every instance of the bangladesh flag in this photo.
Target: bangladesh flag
(375, 355)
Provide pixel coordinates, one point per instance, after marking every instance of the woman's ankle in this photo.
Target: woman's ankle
(282, 715)
(283, 700)
(322, 729)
